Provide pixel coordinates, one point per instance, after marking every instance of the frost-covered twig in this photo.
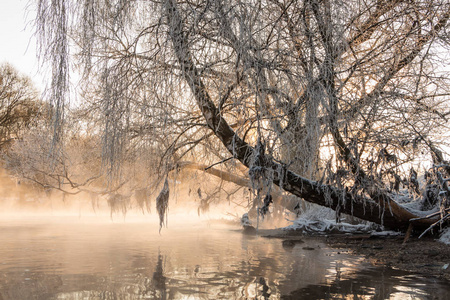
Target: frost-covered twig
(442, 220)
(430, 215)
(162, 204)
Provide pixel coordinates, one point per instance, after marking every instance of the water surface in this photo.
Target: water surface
(62, 258)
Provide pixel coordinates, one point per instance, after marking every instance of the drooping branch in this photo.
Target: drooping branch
(236, 179)
(383, 211)
(52, 27)
(227, 176)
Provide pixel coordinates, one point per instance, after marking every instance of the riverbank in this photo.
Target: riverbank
(424, 256)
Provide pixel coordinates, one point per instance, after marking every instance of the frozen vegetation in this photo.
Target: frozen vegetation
(340, 104)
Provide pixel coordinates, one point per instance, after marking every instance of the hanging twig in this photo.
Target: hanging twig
(162, 204)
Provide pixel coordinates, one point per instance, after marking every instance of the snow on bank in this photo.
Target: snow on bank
(412, 204)
(322, 220)
(445, 236)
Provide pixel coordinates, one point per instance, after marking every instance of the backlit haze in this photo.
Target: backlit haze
(18, 46)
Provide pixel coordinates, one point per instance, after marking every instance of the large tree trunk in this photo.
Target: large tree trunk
(379, 208)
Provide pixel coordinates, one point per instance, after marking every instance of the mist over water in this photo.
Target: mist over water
(55, 247)
(94, 257)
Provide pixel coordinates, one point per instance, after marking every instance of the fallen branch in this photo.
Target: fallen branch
(431, 215)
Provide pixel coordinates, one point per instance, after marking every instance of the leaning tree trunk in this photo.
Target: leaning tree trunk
(379, 208)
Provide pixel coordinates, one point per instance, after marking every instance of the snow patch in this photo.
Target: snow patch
(386, 233)
(411, 204)
(445, 236)
(322, 220)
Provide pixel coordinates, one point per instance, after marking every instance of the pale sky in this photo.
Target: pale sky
(17, 45)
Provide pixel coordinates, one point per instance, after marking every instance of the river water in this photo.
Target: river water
(64, 258)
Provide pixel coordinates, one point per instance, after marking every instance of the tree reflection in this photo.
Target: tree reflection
(159, 280)
(242, 283)
(207, 265)
(372, 284)
(265, 288)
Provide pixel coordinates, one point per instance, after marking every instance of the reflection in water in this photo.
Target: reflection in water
(132, 261)
(159, 281)
(374, 283)
(265, 288)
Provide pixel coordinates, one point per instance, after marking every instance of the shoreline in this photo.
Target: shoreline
(427, 256)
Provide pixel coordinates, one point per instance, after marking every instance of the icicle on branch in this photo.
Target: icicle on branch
(162, 204)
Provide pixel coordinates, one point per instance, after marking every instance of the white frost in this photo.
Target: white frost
(445, 236)
(323, 220)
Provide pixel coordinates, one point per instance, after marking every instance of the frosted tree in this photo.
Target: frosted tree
(335, 102)
(20, 106)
